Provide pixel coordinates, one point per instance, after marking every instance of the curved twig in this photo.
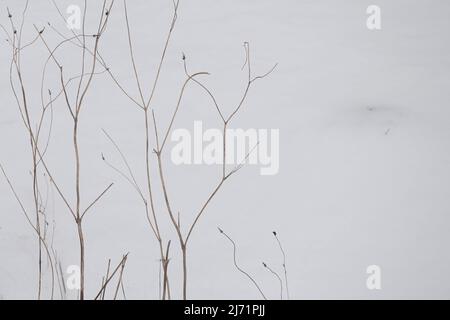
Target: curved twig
(239, 268)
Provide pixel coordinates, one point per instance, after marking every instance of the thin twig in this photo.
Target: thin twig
(284, 263)
(277, 276)
(239, 268)
(122, 262)
(96, 200)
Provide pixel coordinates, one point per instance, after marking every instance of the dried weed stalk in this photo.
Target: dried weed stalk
(91, 61)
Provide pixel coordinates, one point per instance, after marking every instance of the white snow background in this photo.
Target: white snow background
(364, 149)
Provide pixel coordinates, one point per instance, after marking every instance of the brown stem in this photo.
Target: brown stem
(78, 202)
(107, 280)
(150, 193)
(239, 268)
(81, 239)
(184, 251)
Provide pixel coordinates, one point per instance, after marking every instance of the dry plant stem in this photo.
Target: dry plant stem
(239, 268)
(119, 282)
(108, 280)
(158, 152)
(104, 278)
(152, 207)
(75, 110)
(284, 263)
(145, 106)
(79, 102)
(15, 40)
(16, 61)
(165, 272)
(184, 241)
(123, 291)
(60, 278)
(277, 276)
(226, 122)
(159, 149)
(151, 217)
(59, 275)
(44, 243)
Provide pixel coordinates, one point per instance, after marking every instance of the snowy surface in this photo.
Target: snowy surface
(364, 156)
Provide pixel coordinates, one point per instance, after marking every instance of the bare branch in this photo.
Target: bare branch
(96, 200)
(239, 268)
(277, 276)
(119, 266)
(284, 262)
(180, 97)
